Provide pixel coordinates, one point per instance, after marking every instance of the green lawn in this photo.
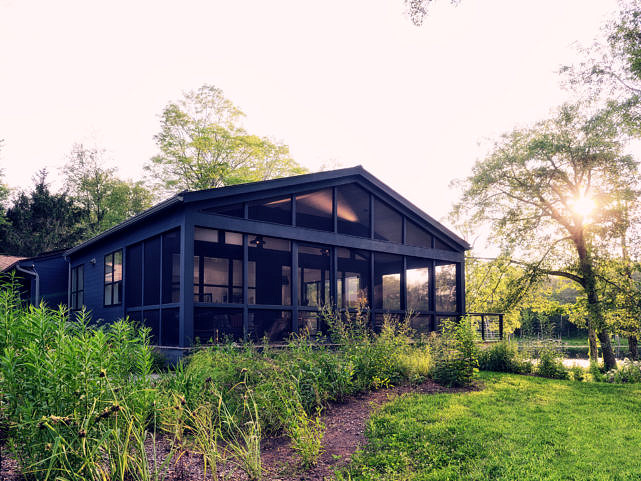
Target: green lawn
(516, 428)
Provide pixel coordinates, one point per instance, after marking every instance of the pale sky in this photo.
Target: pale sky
(343, 81)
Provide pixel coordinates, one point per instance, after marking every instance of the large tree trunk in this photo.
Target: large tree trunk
(593, 350)
(596, 320)
(633, 347)
(609, 360)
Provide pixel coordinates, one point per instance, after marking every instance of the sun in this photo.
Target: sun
(583, 206)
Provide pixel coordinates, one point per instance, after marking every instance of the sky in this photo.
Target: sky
(341, 82)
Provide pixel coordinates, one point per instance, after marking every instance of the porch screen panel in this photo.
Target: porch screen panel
(278, 210)
(388, 224)
(133, 276)
(353, 210)
(170, 326)
(445, 284)
(151, 289)
(218, 261)
(313, 275)
(315, 210)
(151, 319)
(352, 277)
(269, 267)
(171, 267)
(217, 325)
(387, 281)
(415, 236)
(274, 325)
(417, 281)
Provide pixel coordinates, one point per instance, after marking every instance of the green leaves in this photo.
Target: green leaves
(202, 145)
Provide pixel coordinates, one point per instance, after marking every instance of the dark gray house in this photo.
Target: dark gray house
(259, 259)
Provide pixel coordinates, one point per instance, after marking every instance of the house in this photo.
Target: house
(259, 259)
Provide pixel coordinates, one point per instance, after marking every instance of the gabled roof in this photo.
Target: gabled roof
(9, 262)
(305, 181)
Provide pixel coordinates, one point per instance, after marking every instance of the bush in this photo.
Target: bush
(503, 357)
(454, 351)
(577, 373)
(77, 397)
(550, 364)
(627, 372)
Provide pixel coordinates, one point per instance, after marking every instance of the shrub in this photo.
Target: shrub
(550, 364)
(503, 357)
(627, 372)
(596, 372)
(577, 373)
(77, 397)
(455, 354)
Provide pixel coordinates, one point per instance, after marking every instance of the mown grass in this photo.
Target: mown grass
(517, 427)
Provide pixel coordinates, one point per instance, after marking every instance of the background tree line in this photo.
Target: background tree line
(201, 144)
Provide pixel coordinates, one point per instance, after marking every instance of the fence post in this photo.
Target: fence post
(483, 327)
(501, 327)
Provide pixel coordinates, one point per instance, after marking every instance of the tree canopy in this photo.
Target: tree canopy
(107, 199)
(203, 145)
(41, 221)
(550, 192)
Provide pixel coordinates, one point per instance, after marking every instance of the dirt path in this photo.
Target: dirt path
(345, 433)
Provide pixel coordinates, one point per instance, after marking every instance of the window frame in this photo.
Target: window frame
(113, 283)
(75, 290)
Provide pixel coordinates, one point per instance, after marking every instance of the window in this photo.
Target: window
(388, 224)
(77, 287)
(415, 236)
(310, 323)
(113, 279)
(387, 281)
(445, 284)
(170, 326)
(352, 277)
(352, 210)
(313, 275)
(417, 280)
(315, 210)
(270, 271)
(218, 266)
(278, 210)
(422, 324)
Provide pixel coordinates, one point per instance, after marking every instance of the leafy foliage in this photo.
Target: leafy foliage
(42, 221)
(455, 354)
(503, 356)
(202, 145)
(107, 199)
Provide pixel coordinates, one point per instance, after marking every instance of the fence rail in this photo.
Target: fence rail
(490, 327)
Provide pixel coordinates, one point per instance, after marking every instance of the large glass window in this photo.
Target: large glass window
(388, 224)
(113, 278)
(151, 287)
(269, 271)
(77, 287)
(218, 266)
(387, 281)
(417, 280)
(415, 236)
(352, 277)
(273, 325)
(151, 319)
(315, 210)
(313, 275)
(171, 267)
(217, 325)
(310, 322)
(353, 210)
(445, 284)
(277, 210)
(422, 324)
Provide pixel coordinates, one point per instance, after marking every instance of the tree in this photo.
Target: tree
(4, 193)
(549, 192)
(97, 189)
(202, 145)
(41, 221)
(417, 10)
